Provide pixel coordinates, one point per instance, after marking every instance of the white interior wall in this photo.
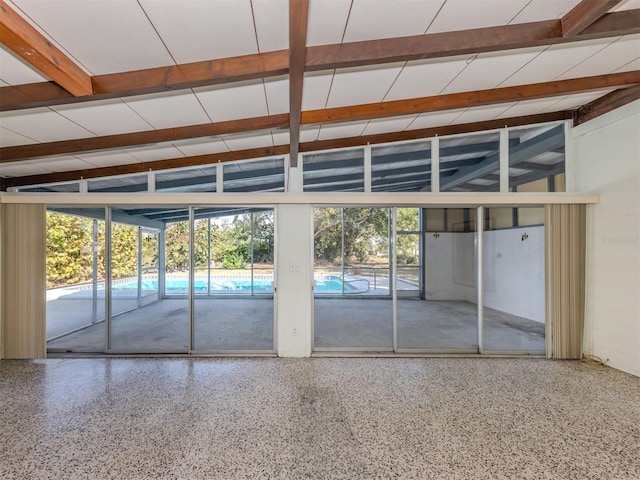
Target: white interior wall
(514, 271)
(450, 266)
(607, 161)
(294, 267)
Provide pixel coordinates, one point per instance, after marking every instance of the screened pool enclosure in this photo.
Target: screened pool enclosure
(160, 279)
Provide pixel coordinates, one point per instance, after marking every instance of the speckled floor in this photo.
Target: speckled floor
(320, 418)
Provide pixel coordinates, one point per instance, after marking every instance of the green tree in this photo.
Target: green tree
(69, 249)
(177, 246)
(407, 245)
(365, 230)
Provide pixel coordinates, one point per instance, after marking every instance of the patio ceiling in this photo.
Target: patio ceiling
(96, 89)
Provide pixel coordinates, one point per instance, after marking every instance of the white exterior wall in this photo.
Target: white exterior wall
(607, 161)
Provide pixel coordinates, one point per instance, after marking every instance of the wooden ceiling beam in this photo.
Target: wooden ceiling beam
(332, 115)
(283, 149)
(474, 41)
(585, 14)
(151, 80)
(434, 131)
(470, 99)
(324, 57)
(605, 104)
(298, 14)
(108, 142)
(190, 75)
(30, 45)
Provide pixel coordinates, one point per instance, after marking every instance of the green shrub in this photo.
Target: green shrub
(234, 260)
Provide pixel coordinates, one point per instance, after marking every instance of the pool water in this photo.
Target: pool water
(323, 285)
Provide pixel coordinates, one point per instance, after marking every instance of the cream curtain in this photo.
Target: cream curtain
(565, 279)
(23, 284)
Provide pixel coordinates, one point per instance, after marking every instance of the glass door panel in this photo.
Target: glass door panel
(150, 271)
(443, 315)
(514, 280)
(233, 294)
(142, 320)
(352, 297)
(75, 280)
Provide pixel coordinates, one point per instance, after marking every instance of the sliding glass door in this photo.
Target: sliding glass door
(352, 292)
(141, 320)
(233, 280)
(442, 316)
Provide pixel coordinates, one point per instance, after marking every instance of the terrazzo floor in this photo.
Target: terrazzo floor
(319, 418)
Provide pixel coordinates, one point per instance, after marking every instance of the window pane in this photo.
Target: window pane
(340, 171)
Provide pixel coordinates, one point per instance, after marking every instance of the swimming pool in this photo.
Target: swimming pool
(324, 284)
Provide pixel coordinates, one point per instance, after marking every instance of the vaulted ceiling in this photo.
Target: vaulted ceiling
(102, 88)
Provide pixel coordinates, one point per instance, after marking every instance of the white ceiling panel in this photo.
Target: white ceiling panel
(277, 95)
(2, 83)
(309, 134)
(627, 5)
(243, 100)
(554, 61)
(280, 138)
(315, 90)
(538, 10)
(272, 24)
(609, 59)
(245, 142)
(202, 147)
(21, 169)
(465, 14)
(425, 78)
(491, 69)
(327, 21)
(353, 86)
(9, 138)
(104, 117)
(154, 153)
(104, 36)
(165, 110)
(435, 119)
(480, 114)
(633, 65)
(14, 71)
(371, 19)
(61, 163)
(341, 130)
(43, 125)
(530, 107)
(196, 30)
(386, 125)
(108, 158)
(577, 100)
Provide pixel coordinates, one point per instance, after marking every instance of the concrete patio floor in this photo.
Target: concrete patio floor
(246, 324)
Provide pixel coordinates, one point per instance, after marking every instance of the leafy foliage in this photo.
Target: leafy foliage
(365, 234)
(224, 241)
